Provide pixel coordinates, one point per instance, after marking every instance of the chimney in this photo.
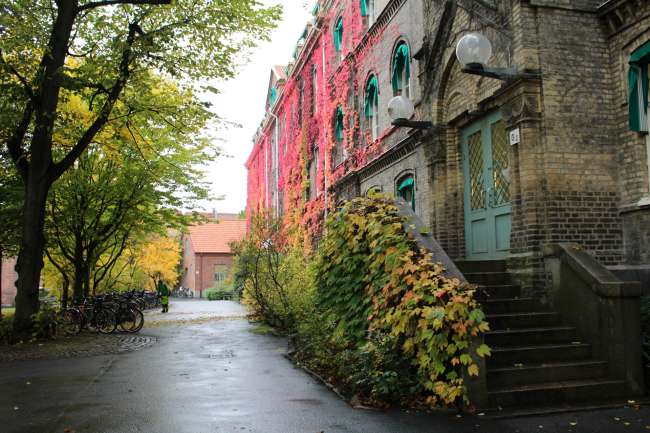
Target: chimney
(215, 214)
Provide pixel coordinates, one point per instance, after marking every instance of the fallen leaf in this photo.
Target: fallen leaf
(16, 408)
(573, 424)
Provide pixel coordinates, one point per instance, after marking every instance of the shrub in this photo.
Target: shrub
(388, 297)
(220, 294)
(6, 329)
(45, 322)
(277, 277)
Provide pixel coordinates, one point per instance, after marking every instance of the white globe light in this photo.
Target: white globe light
(473, 48)
(400, 107)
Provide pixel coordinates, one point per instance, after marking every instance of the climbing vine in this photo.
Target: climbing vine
(374, 280)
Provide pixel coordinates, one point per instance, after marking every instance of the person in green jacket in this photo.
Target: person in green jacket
(163, 291)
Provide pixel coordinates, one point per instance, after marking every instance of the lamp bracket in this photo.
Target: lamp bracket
(504, 74)
(413, 124)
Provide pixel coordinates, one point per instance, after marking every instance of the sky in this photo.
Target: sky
(242, 99)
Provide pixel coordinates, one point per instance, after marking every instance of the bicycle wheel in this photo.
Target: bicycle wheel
(139, 320)
(126, 319)
(105, 321)
(70, 322)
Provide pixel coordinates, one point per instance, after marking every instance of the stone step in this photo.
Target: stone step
(512, 376)
(470, 266)
(487, 278)
(523, 320)
(524, 336)
(498, 291)
(509, 305)
(535, 354)
(557, 393)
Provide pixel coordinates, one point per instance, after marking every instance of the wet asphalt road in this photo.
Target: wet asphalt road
(219, 376)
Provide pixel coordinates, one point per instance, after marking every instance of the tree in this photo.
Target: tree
(125, 188)
(103, 51)
(159, 259)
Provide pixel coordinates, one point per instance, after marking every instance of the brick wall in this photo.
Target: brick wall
(627, 29)
(206, 266)
(9, 277)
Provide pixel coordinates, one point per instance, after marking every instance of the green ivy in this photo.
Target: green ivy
(374, 280)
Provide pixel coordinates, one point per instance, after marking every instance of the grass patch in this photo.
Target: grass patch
(262, 329)
(8, 311)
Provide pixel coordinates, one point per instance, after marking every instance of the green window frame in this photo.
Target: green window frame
(371, 105)
(638, 88)
(274, 95)
(401, 70)
(368, 11)
(338, 34)
(406, 189)
(338, 124)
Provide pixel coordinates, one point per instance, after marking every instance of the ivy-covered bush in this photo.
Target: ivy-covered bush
(384, 296)
(276, 275)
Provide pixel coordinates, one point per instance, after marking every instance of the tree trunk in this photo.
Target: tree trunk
(30, 257)
(78, 285)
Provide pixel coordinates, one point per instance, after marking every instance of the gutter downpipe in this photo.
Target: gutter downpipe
(277, 161)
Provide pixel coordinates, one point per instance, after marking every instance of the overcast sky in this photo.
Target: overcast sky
(242, 101)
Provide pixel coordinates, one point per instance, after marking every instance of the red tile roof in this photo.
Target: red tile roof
(216, 237)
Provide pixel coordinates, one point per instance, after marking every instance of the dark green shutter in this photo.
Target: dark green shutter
(401, 60)
(372, 94)
(338, 34)
(338, 129)
(638, 68)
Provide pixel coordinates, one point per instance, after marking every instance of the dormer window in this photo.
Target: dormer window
(368, 11)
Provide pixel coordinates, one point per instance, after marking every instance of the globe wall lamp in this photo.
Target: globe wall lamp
(401, 109)
(474, 52)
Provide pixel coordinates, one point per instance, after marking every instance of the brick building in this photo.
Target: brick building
(207, 257)
(7, 281)
(578, 173)
(550, 148)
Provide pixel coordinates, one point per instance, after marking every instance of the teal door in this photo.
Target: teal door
(487, 204)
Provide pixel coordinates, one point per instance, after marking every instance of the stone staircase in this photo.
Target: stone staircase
(537, 362)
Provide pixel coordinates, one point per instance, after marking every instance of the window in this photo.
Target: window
(312, 171)
(406, 189)
(373, 190)
(220, 275)
(402, 70)
(301, 99)
(274, 96)
(338, 35)
(338, 135)
(371, 105)
(368, 11)
(314, 88)
(638, 88)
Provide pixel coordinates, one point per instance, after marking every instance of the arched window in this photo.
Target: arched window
(406, 189)
(368, 11)
(402, 70)
(338, 35)
(373, 190)
(338, 135)
(314, 88)
(338, 124)
(371, 105)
